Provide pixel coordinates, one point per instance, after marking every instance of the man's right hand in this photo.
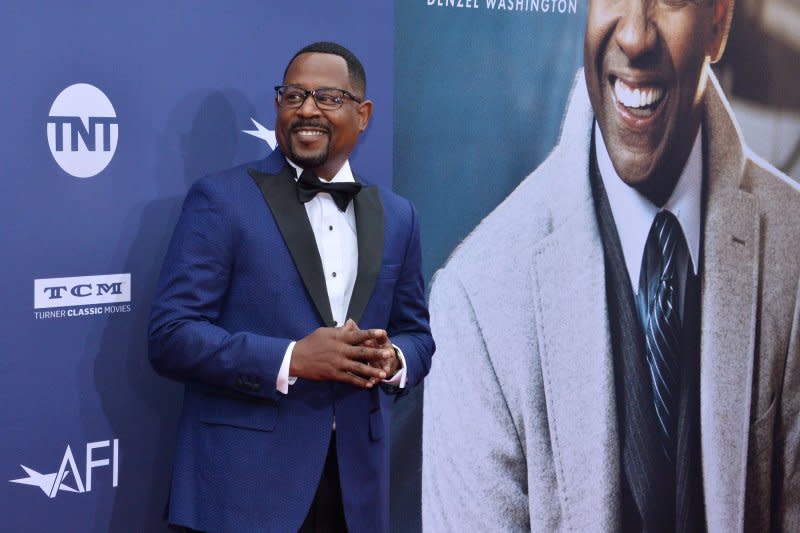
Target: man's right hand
(341, 354)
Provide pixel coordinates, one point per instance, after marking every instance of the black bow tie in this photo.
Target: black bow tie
(309, 185)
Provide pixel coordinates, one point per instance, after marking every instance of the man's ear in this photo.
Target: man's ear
(723, 15)
(364, 114)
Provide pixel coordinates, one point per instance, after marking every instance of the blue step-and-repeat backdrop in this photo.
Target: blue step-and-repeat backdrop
(112, 109)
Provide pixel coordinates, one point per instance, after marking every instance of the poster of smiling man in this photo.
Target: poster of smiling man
(619, 339)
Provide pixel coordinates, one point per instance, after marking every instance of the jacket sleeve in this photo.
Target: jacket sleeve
(474, 474)
(185, 342)
(409, 327)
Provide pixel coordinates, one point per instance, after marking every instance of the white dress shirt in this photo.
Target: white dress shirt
(337, 242)
(634, 213)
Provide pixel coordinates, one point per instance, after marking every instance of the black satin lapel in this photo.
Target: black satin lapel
(281, 196)
(369, 225)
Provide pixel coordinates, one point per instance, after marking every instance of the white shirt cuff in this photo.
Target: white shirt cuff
(284, 380)
(399, 378)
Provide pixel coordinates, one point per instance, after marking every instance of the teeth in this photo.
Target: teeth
(638, 97)
(310, 133)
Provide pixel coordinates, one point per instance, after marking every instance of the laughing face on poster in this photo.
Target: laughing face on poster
(619, 341)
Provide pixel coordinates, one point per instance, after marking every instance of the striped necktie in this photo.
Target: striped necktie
(662, 324)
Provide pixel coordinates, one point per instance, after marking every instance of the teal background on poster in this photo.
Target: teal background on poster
(479, 97)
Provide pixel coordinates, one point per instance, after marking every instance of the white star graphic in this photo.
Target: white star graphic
(43, 481)
(266, 135)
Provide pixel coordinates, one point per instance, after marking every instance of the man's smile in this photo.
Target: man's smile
(641, 100)
(309, 133)
(638, 102)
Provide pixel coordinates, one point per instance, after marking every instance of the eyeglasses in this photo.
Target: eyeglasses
(326, 98)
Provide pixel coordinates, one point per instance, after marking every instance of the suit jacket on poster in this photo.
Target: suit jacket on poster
(241, 279)
(520, 424)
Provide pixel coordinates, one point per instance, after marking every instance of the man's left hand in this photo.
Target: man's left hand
(390, 366)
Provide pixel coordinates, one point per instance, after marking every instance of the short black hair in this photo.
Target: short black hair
(355, 70)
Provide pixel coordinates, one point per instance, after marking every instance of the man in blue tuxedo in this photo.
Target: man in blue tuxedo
(291, 305)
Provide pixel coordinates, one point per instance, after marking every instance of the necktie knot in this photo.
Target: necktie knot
(667, 231)
(308, 186)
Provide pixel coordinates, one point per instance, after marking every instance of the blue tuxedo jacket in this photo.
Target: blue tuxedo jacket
(242, 278)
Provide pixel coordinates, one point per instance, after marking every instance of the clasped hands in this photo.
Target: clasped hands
(348, 354)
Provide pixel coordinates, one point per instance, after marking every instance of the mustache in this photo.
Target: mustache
(310, 123)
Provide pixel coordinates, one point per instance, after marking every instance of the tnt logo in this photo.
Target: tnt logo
(82, 130)
(97, 455)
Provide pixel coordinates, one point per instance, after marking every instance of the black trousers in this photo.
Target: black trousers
(326, 514)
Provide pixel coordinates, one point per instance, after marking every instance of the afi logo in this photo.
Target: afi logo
(82, 130)
(81, 290)
(52, 483)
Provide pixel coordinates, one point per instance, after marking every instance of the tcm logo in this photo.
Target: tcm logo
(82, 290)
(68, 477)
(82, 130)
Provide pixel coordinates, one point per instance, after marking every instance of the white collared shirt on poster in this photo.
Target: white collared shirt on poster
(634, 213)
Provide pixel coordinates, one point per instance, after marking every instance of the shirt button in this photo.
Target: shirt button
(330, 228)
(334, 274)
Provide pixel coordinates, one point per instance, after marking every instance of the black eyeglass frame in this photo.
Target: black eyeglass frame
(279, 89)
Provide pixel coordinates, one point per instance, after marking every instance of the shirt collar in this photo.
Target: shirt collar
(345, 175)
(634, 213)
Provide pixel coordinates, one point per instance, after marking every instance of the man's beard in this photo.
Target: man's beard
(309, 161)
